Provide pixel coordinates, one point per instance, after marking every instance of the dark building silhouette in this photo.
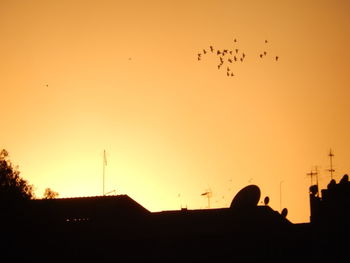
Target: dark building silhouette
(333, 206)
(118, 229)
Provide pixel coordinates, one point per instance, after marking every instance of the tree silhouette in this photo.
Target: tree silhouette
(13, 188)
(50, 194)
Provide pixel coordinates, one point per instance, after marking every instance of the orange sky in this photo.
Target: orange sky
(124, 76)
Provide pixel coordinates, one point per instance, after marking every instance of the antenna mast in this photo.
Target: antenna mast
(316, 173)
(331, 170)
(311, 174)
(208, 194)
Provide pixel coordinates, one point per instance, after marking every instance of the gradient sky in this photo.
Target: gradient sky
(78, 77)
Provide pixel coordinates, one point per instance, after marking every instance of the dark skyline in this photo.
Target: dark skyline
(78, 77)
(107, 228)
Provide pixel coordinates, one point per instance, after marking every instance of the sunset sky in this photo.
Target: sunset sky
(80, 77)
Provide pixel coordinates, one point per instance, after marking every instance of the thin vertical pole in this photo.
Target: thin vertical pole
(331, 155)
(316, 173)
(311, 174)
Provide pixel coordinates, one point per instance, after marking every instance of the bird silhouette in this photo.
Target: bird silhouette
(231, 55)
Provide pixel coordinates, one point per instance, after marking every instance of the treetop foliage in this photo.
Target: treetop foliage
(12, 186)
(50, 194)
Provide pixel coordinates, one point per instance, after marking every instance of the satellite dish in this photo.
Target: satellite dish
(284, 212)
(266, 200)
(248, 197)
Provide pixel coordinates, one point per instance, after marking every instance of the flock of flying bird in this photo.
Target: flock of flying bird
(229, 56)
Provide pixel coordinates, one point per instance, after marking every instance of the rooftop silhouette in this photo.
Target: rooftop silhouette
(104, 228)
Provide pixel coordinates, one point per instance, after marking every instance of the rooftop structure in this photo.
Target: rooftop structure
(107, 228)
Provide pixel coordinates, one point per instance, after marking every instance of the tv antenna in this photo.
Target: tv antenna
(316, 173)
(311, 174)
(208, 194)
(331, 170)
